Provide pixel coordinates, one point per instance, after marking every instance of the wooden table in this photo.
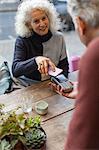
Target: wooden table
(55, 123)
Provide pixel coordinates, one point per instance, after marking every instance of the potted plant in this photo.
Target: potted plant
(21, 131)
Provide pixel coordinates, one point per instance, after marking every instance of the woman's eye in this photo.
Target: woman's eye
(35, 21)
(44, 18)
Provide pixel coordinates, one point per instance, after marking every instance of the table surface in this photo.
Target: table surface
(55, 122)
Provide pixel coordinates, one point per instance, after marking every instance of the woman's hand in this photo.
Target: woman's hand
(60, 91)
(43, 64)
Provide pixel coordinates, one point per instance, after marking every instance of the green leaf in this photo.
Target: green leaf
(20, 127)
(14, 142)
(37, 120)
(5, 145)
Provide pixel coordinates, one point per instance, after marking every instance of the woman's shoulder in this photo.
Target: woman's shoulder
(58, 35)
(22, 39)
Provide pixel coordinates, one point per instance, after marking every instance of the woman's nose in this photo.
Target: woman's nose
(41, 23)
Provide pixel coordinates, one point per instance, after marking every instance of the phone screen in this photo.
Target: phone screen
(61, 78)
(63, 82)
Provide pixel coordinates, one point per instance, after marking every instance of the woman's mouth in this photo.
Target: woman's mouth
(43, 28)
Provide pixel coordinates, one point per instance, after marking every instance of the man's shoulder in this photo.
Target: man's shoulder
(91, 56)
(93, 47)
(94, 44)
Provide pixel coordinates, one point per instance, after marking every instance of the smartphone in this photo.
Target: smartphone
(63, 82)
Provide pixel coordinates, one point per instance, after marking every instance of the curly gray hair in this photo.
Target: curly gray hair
(23, 16)
(87, 10)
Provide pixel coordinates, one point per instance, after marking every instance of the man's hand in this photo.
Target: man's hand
(60, 91)
(43, 64)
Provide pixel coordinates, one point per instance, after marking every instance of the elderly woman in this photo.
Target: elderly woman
(84, 127)
(39, 45)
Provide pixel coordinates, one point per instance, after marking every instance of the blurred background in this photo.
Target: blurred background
(8, 10)
(61, 7)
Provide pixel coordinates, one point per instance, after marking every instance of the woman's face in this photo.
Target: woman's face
(39, 22)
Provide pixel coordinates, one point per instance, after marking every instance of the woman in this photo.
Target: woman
(39, 45)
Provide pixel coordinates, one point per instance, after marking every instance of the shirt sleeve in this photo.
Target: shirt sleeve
(63, 50)
(21, 65)
(63, 63)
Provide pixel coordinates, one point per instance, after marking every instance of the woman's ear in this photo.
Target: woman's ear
(28, 24)
(81, 25)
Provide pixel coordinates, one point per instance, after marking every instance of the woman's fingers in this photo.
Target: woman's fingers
(44, 65)
(51, 65)
(42, 68)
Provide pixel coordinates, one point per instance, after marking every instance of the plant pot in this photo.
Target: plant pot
(41, 146)
(19, 146)
(14, 137)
